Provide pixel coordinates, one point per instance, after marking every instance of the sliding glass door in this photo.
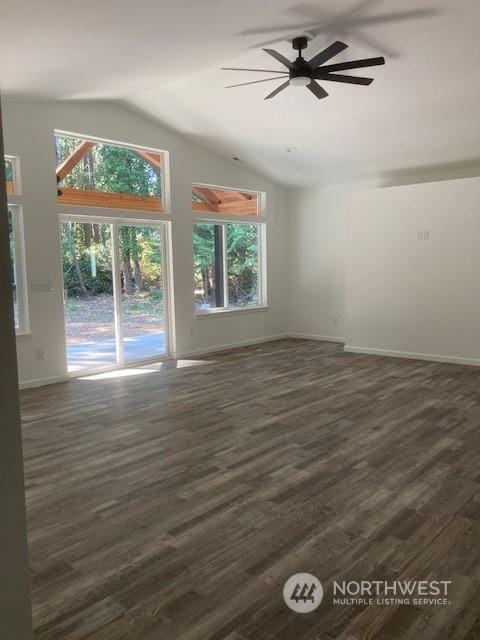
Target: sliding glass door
(143, 293)
(114, 292)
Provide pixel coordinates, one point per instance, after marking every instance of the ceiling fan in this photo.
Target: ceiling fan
(305, 73)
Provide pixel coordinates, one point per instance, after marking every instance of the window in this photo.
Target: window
(17, 270)
(226, 201)
(99, 174)
(11, 175)
(227, 266)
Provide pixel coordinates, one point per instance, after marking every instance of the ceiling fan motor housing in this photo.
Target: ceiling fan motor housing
(300, 43)
(300, 73)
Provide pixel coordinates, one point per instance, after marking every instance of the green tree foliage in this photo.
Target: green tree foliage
(8, 171)
(87, 264)
(87, 259)
(108, 168)
(241, 260)
(204, 263)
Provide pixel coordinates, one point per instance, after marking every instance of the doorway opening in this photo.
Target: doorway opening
(115, 293)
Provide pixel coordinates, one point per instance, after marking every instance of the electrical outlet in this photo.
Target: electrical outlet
(40, 353)
(335, 320)
(423, 234)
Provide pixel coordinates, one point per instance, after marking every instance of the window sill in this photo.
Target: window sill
(19, 334)
(232, 311)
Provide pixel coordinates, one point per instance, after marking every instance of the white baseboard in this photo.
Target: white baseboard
(229, 345)
(314, 336)
(474, 362)
(40, 382)
(30, 384)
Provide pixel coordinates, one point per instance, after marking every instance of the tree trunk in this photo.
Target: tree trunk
(76, 264)
(127, 275)
(136, 258)
(206, 288)
(126, 260)
(96, 234)
(87, 231)
(138, 275)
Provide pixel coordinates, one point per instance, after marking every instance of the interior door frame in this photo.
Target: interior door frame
(165, 242)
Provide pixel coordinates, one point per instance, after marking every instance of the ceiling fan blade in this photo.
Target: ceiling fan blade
(317, 90)
(394, 16)
(283, 86)
(242, 84)
(331, 51)
(289, 28)
(259, 70)
(354, 64)
(278, 56)
(332, 77)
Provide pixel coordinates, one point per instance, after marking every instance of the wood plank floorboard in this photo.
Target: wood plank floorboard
(174, 504)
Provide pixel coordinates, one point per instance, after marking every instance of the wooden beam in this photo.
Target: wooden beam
(107, 200)
(73, 159)
(153, 159)
(203, 206)
(240, 207)
(206, 194)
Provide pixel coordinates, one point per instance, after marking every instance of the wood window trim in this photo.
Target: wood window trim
(108, 200)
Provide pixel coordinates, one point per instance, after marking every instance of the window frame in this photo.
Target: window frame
(164, 213)
(262, 304)
(20, 268)
(17, 183)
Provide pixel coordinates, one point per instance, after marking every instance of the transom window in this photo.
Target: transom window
(93, 173)
(226, 201)
(227, 266)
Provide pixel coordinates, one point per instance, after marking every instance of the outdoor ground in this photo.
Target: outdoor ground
(91, 319)
(91, 330)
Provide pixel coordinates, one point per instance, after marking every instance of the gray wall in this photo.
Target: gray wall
(15, 610)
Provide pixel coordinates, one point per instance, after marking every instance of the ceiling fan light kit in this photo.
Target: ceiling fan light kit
(300, 81)
(305, 73)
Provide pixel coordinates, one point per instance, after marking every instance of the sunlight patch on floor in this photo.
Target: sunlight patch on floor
(138, 371)
(118, 373)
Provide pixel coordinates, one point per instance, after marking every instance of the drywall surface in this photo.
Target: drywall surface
(317, 262)
(412, 265)
(29, 128)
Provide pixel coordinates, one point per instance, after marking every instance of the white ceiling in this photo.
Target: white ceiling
(163, 58)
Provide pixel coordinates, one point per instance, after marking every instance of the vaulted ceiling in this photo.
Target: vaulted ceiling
(164, 58)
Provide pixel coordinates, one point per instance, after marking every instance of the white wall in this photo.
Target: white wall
(413, 296)
(29, 130)
(317, 262)
(355, 256)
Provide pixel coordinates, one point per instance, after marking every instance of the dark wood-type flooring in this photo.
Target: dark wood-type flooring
(174, 504)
